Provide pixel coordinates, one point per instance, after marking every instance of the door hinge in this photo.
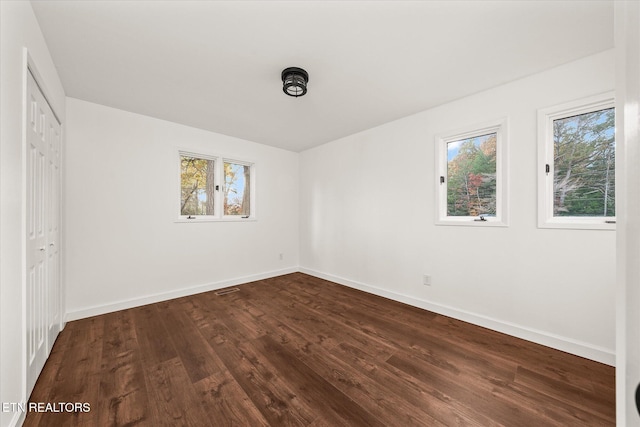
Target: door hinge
(547, 169)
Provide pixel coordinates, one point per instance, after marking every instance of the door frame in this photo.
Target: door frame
(29, 67)
(627, 38)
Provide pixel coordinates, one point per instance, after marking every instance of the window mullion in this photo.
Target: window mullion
(219, 187)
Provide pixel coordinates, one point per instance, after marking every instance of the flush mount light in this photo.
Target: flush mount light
(294, 81)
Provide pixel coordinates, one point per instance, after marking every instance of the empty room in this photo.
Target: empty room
(319, 213)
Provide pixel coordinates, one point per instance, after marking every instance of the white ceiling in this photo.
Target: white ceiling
(216, 65)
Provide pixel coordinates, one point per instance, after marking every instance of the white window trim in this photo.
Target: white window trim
(500, 128)
(219, 179)
(546, 116)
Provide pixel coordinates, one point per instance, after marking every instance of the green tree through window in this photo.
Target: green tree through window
(584, 165)
(471, 176)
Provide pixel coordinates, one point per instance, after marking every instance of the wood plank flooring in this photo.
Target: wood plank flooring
(296, 350)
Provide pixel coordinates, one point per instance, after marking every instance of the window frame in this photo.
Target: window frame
(500, 128)
(546, 117)
(219, 181)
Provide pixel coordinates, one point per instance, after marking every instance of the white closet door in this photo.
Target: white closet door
(53, 230)
(42, 230)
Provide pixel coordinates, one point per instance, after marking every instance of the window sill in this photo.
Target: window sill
(472, 222)
(215, 219)
(577, 224)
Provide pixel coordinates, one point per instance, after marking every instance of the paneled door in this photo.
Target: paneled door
(42, 230)
(52, 216)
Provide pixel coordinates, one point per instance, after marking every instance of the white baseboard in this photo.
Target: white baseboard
(558, 342)
(164, 296)
(568, 345)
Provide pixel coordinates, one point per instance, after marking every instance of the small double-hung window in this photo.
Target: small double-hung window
(215, 188)
(471, 176)
(576, 164)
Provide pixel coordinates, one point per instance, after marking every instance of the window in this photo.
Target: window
(471, 176)
(215, 188)
(237, 188)
(197, 185)
(576, 151)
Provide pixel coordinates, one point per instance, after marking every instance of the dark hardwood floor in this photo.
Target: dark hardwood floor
(300, 351)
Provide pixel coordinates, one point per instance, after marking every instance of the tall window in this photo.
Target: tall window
(214, 188)
(471, 176)
(577, 164)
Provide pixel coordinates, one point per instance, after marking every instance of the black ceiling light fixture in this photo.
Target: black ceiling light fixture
(294, 81)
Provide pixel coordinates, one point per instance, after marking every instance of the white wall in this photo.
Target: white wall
(367, 220)
(123, 246)
(18, 29)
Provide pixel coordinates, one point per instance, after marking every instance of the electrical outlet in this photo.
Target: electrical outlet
(426, 280)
